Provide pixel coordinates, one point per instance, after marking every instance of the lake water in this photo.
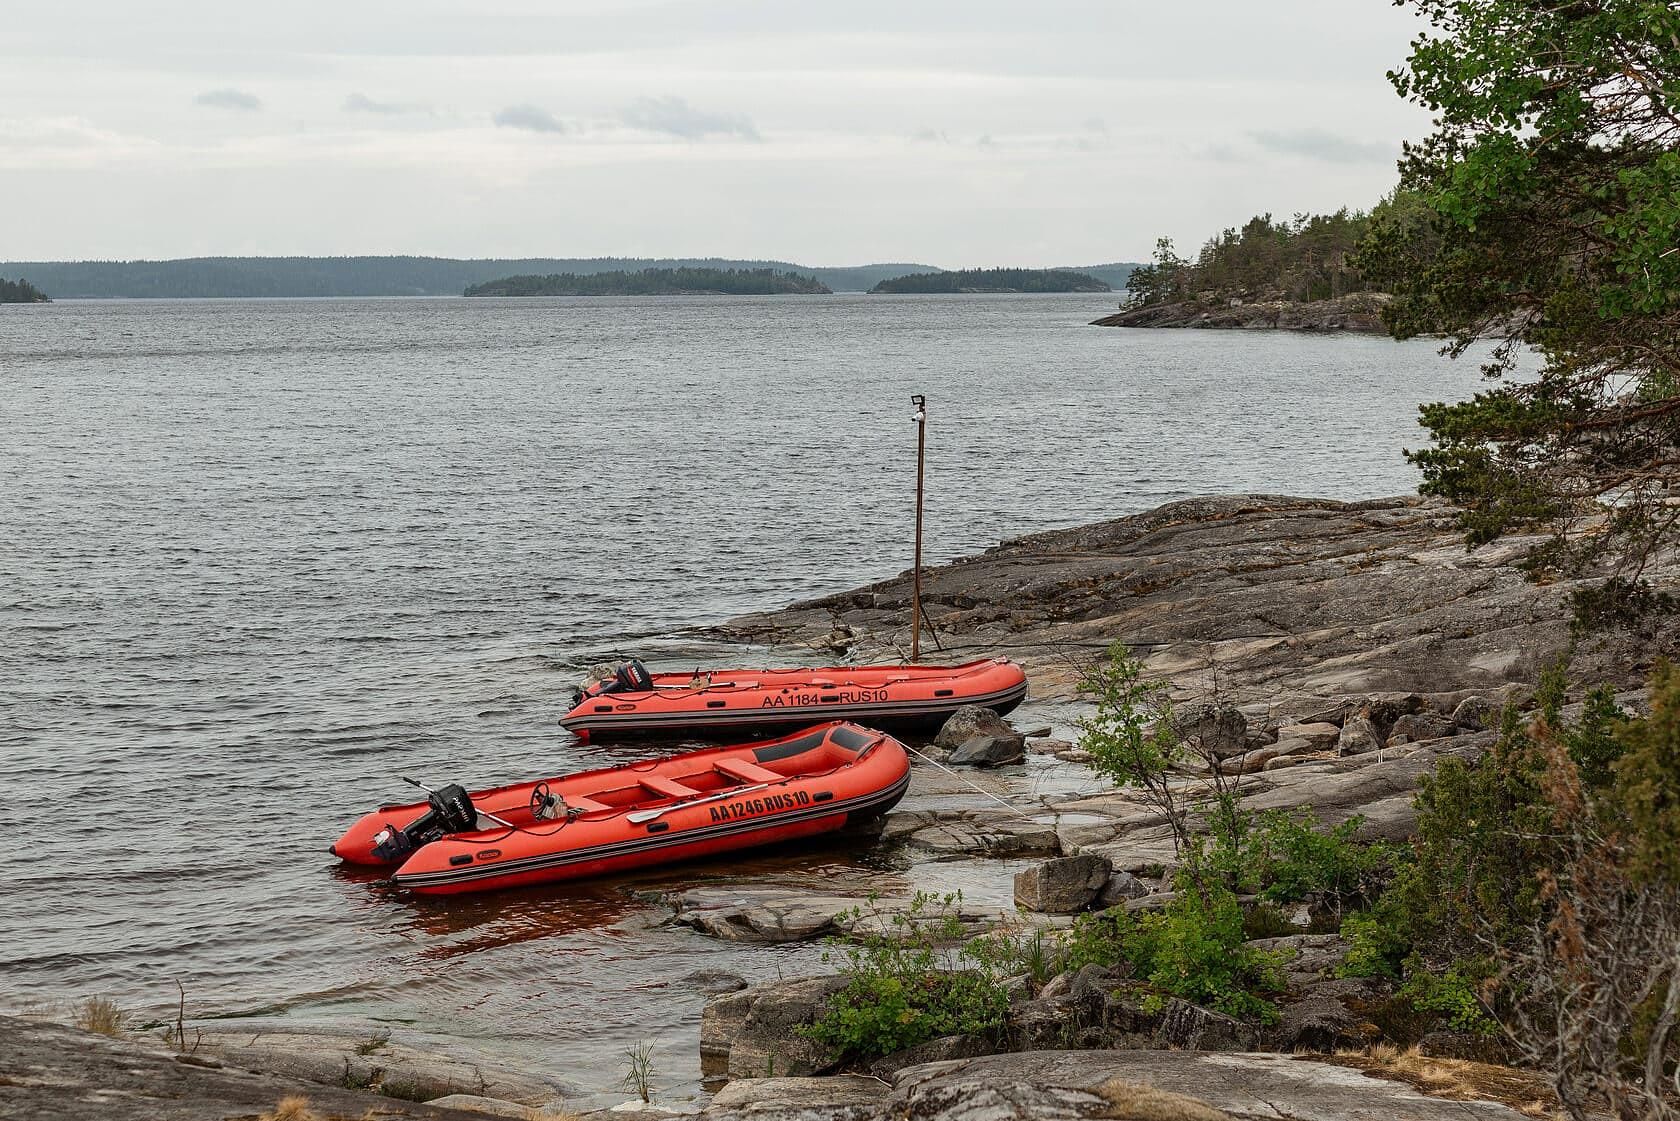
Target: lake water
(257, 558)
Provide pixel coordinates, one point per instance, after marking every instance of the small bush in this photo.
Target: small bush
(1377, 944)
(101, 1015)
(1452, 996)
(1289, 858)
(913, 985)
(1194, 949)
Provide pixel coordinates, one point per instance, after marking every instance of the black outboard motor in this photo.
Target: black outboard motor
(632, 677)
(451, 812)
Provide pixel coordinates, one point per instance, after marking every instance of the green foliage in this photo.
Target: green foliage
(1130, 734)
(1451, 995)
(1288, 858)
(21, 292)
(911, 985)
(1377, 942)
(1193, 948)
(1307, 258)
(994, 280)
(1552, 190)
(654, 282)
(1645, 795)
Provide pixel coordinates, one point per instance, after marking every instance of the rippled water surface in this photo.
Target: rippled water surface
(257, 558)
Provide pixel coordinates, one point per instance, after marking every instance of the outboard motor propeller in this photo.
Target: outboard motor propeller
(451, 812)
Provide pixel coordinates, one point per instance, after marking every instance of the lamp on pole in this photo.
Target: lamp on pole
(920, 402)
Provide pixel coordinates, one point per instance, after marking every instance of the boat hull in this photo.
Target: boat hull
(898, 699)
(770, 793)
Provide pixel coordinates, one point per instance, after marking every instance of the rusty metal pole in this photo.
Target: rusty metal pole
(916, 588)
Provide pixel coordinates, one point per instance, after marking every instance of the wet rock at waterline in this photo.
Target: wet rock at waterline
(754, 1033)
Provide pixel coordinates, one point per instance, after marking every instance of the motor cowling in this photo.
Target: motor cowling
(450, 810)
(631, 677)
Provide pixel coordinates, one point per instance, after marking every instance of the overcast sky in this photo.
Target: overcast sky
(952, 132)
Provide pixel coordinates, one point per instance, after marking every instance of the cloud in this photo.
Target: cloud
(1316, 144)
(362, 103)
(229, 99)
(673, 115)
(528, 117)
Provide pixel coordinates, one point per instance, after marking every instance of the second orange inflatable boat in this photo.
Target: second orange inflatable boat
(637, 702)
(618, 818)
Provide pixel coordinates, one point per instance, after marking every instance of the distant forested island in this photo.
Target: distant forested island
(1301, 273)
(286, 277)
(656, 282)
(20, 291)
(994, 280)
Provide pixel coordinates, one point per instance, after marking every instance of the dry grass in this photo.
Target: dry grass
(100, 1015)
(1129, 1101)
(294, 1107)
(1454, 1079)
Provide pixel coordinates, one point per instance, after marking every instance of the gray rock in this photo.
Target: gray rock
(1475, 713)
(987, 750)
(1064, 1085)
(1318, 1022)
(983, 833)
(1122, 886)
(477, 1103)
(761, 914)
(1063, 886)
(842, 1097)
(1191, 1027)
(754, 1033)
(1218, 727)
(1319, 736)
(714, 981)
(53, 1073)
(1420, 726)
(1358, 736)
(970, 721)
(943, 1049)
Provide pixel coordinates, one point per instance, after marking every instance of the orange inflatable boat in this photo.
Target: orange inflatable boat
(654, 812)
(636, 702)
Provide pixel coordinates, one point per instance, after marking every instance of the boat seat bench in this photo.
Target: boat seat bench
(585, 805)
(659, 784)
(746, 772)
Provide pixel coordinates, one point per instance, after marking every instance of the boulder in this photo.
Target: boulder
(970, 721)
(941, 1050)
(754, 1033)
(1319, 1022)
(1420, 726)
(1358, 736)
(1217, 727)
(1190, 1027)
(1063, 886)
(1320, 736)
(1122, 886)
(987, 750)
(1475, 713)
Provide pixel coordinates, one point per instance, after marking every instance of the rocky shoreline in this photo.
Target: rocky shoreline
(1350, 646)
(1360, 312)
